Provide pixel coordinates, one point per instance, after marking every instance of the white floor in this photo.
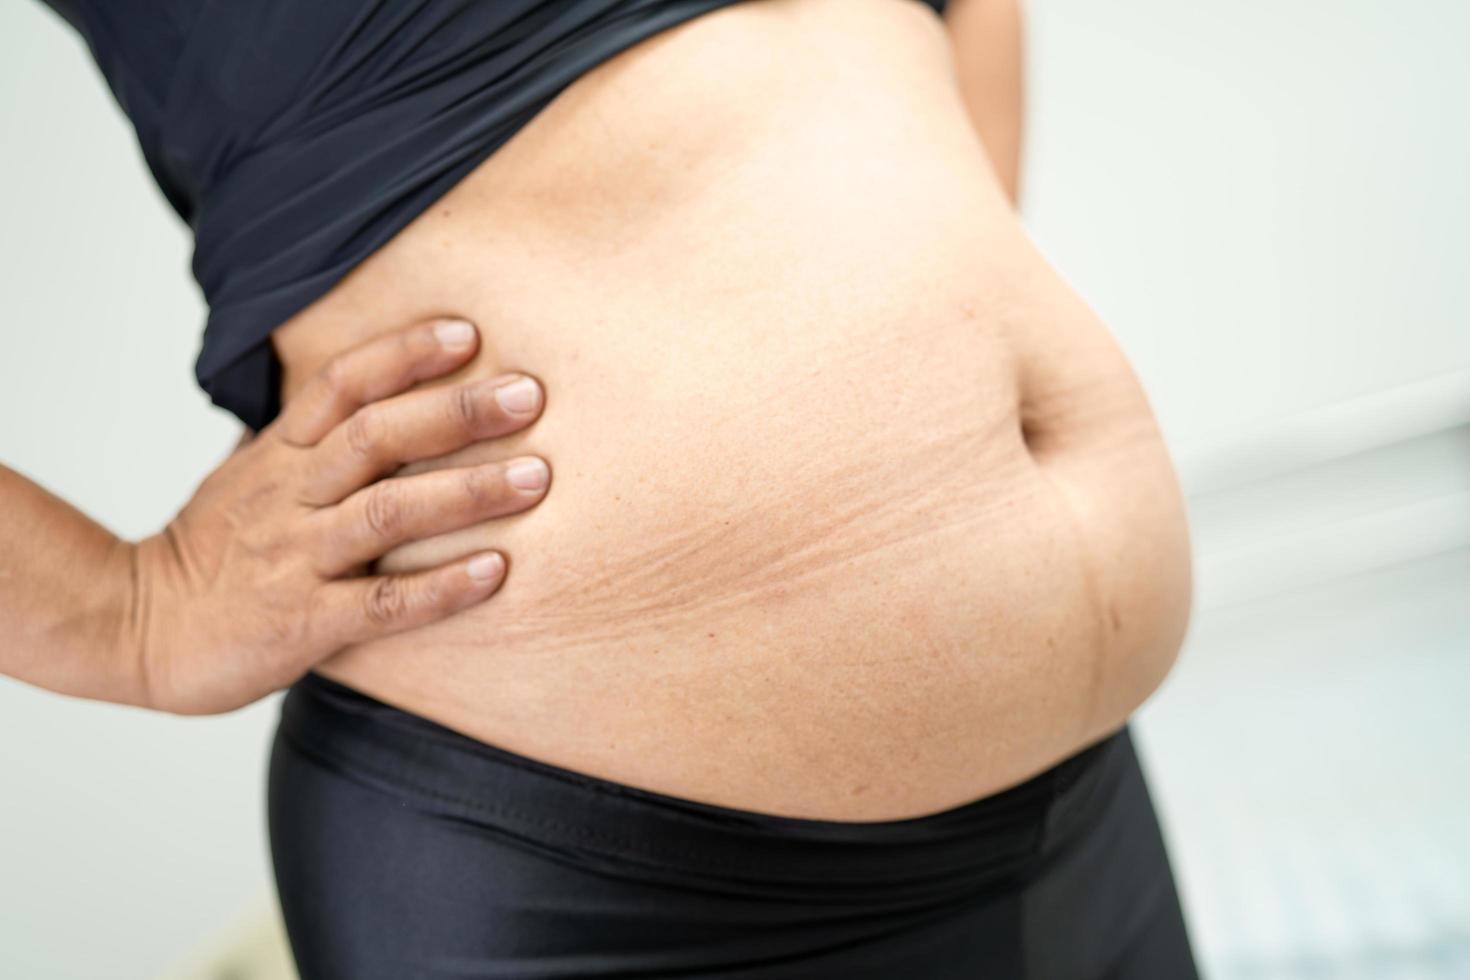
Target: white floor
(1309, 759)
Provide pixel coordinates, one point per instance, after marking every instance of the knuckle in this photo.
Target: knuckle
(387, 602)
(363, 433)
(256, 506)
(291, 628)
(316, 619)
(383, 511)
(276, 550)
(336, 376)
(481, 489)
(436, 595)
(466, 408)
(409, 346)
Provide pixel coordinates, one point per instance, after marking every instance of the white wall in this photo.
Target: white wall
(124, 836)
(1266, 200)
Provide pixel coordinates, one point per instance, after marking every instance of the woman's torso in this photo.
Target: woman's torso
(857, 511)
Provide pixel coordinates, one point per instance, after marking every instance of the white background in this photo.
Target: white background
(1268, 203)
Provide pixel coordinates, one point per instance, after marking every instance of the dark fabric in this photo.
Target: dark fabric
(405, 850)
(297, 137)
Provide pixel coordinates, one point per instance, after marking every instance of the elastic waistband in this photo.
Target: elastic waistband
(597, 822)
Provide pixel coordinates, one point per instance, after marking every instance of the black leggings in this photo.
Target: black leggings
(405, 850)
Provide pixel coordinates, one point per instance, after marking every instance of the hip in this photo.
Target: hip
(404, 849)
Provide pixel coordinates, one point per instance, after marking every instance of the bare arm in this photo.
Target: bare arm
(261, 575)
(987, 40)
(64, 592)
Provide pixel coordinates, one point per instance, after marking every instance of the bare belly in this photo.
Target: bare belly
(857, 512)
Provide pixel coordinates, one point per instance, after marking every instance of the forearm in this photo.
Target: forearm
(65, 598)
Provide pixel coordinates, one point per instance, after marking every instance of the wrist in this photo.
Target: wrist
(133, 617)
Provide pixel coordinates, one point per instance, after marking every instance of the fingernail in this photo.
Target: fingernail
(518, 397)
(486, 567)
(455, 333)
(527, 474)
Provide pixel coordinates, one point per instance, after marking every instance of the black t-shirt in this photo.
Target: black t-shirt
(298, 136)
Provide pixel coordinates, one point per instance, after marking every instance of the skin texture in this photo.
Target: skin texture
(860, 513)
(259, 576)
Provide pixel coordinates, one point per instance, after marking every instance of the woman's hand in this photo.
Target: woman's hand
(261, 575)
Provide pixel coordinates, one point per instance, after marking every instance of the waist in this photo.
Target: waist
(993, 841)
(843, 474)
(392, 836)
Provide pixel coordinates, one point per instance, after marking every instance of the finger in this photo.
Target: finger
(373, 370)
(391, 512)
(356, 610)
(422, 424)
